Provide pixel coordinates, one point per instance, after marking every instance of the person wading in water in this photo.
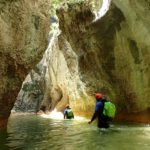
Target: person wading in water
(68, 113)
(103, 121)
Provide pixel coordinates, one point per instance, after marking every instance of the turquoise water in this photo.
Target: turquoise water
(31, 132)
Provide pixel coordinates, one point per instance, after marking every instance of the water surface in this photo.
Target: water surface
(31, 132)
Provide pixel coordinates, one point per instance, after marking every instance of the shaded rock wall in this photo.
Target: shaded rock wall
(24, 27)
(31, 94)
(132, 55)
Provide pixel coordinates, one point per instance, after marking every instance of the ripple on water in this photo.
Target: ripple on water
(36, 133)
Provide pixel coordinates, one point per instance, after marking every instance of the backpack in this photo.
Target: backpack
(109, 109)
(69, 113)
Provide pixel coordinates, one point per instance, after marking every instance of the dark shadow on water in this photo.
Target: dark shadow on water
(6, 140)
(3, 140)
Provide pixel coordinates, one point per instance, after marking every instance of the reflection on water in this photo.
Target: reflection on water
(37, 133)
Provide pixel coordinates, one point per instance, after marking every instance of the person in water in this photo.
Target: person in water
(102, 121)
(68, 113)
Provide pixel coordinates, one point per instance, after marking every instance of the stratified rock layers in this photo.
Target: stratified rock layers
(24, 28)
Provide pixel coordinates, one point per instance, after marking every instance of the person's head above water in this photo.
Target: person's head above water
(67, 106)
(98, 96)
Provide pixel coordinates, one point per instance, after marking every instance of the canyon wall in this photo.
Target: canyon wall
(57, 76)
(24, 27)
(113, 53)
(108, 54)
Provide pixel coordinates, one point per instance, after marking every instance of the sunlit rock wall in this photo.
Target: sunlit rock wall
(24, 27)
(62, 77)
(113, 52)
(56, 83)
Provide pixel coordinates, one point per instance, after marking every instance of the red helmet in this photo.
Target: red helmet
(98, 96)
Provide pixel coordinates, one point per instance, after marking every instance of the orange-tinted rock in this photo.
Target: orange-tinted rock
(140, 117)
(3, 123)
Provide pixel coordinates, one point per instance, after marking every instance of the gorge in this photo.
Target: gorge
(86, 54)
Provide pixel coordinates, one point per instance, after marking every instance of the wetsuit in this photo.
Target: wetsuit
(68, 114)
(103, 121)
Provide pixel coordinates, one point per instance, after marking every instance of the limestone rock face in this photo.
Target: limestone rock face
(57, 81)
(62, 75)
(113, 51)
(24, 27)
(110, 54)
(31, 94)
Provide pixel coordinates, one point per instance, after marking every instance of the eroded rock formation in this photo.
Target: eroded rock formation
(62, 82)
(113, 51)
(110, 54)
(31, 94)
(24, 27)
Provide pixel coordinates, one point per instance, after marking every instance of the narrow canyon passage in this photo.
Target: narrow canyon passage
(61, 53)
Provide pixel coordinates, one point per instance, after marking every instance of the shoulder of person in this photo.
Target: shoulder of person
(99, 103)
